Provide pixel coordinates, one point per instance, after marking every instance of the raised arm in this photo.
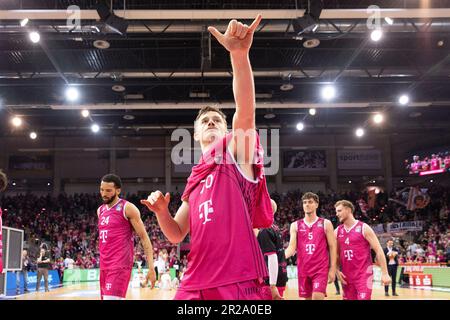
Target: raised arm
(238, 39)
(175, 229)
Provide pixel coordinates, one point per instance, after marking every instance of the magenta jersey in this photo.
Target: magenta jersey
(224, 249)
(115, 235)
(354, 252)
(1, 242)
(435, 164)
(312, 248)
(415, 166)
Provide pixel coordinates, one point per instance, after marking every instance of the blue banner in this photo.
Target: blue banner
(53, 281)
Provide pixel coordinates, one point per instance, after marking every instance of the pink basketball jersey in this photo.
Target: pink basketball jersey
(115, 234)
(224, 249)
(354, 252)
(312, 248)
(1, 242)
(435, 164)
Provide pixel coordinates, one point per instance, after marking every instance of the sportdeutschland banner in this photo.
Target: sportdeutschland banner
(404, 226)
(359, 159)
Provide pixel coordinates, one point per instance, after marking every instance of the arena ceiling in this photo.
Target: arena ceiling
(167, 65)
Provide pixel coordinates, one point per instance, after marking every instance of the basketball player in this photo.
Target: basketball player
(224, 198)
(354, 241)
(3, 185)
(116, 220)
(271, 245)
(313, 239)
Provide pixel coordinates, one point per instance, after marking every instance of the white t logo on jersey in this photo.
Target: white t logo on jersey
(310, 248)
(104, 235)
(348, 254)
(205, 209)
(108, 286)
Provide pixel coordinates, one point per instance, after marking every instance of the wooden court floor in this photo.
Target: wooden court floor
(90, 291)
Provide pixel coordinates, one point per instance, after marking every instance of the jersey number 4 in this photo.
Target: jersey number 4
(347, 241)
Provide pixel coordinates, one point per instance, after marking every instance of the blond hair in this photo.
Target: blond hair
(345, 203)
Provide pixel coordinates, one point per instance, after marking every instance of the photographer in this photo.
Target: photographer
(43, 264)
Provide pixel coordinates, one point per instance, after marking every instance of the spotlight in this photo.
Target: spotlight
(24, 22)
(286, 87)
(111, 21)
(378, 118)
(431, 181)
(403, 100)
(85, 113)
(310, 20)
(33, 135)
(359, 132)
(312, 111)
(95, 128)
(389, 21)
(349, 181)
(401, 181)
(72, 94)
(13, 183)
(16, 122)
(328, 92)
(35, 36)
(300, 126)
(376, 35)
(48, 183)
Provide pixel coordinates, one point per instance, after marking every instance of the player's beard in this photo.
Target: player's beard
(109, 200)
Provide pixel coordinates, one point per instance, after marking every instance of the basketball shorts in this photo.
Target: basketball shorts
(114, 282)
(307, 285)
(360, 289)
(246, 290)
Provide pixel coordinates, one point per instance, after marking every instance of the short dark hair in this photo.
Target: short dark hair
(310, 195)
(208, 109)
(114, 179)
(3, 181)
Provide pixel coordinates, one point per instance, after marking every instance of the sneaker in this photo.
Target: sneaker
(395, 295)
(26, 291)
(338, 293)
(386, 294)
(17, 292)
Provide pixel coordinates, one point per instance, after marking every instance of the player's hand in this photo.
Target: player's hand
(385, 279)
(151, 277)
(331, 276)
(157, 202)
(275, 293)
(238, 37)
(342, 277)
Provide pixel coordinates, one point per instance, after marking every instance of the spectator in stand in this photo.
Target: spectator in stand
(68, 263)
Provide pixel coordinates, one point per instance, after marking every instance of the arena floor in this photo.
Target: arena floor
(90, 291)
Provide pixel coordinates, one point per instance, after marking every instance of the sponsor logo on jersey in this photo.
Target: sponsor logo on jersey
(358, 229)
(119, 207)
